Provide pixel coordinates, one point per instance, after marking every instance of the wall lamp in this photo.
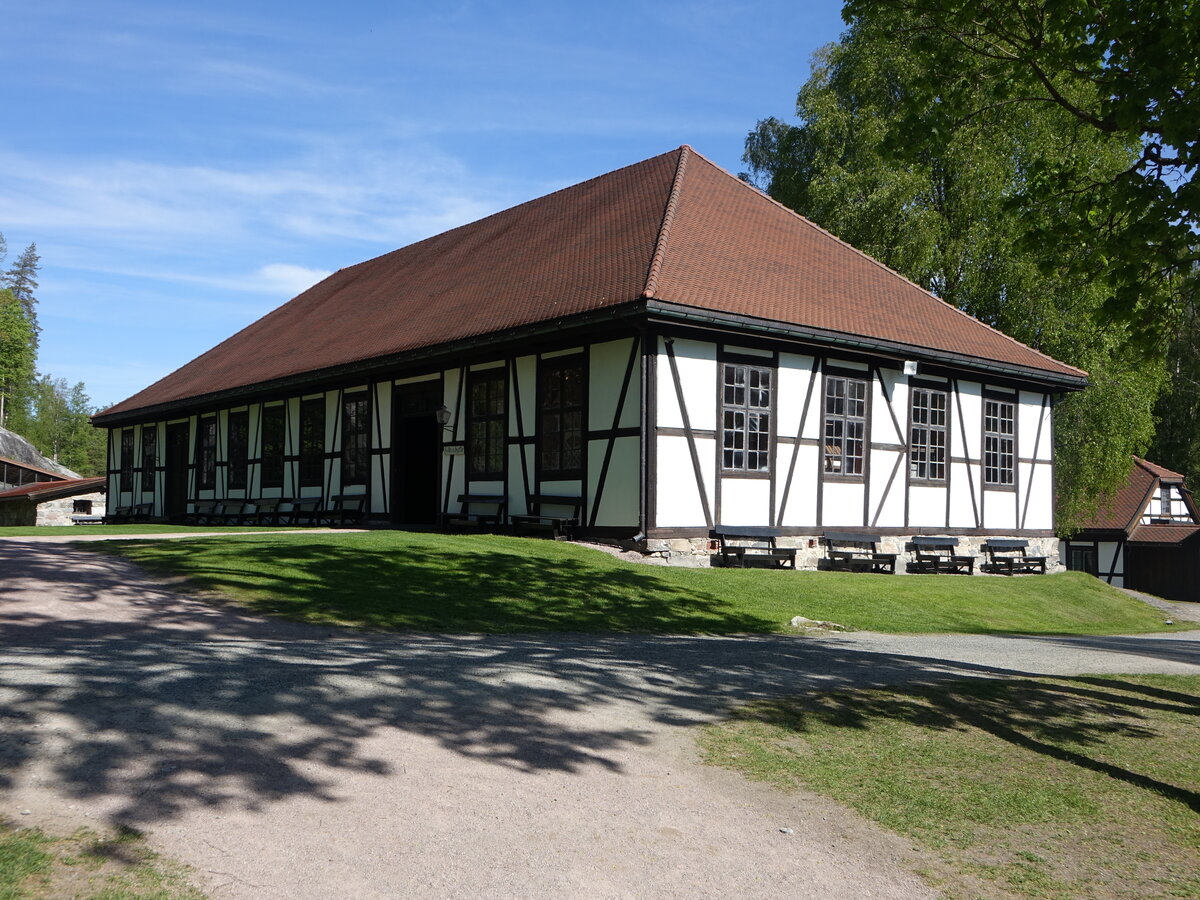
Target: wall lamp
(442, 414)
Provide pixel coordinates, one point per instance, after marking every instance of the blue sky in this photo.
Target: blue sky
(185, 168)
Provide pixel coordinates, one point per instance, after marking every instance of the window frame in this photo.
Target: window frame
(127, 446)
(206, 453)
(149, 466)
(475, 471)
(930, 428)
(840, 473)
(238, 465)
(311, 460)
(730, 406)
(356, 454)
(272, 463)
(547, 369)
(1011, 401)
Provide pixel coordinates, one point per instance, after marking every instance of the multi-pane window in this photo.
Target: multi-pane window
(560, 417)
(149, 457)
(845, 425)
(927, 443)
(127, 459)
(356, 439)
(745, 418)
(239, 446)
(206, 454)
(486, 424)
(998, 443)
(312, 442)
(273, 439)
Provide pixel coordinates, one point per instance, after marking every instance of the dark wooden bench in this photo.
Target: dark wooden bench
(87, 520)
(538, 522)
(470, 515)
(137, 512)
(201, 511)
(742, 546)
(1006, 556)
(936, 556)
(864, 557)
(228, 512)
(301, 511)
(263, 511)
(347, 509)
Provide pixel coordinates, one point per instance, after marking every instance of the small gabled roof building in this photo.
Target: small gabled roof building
(664, 343)
(1146, 537)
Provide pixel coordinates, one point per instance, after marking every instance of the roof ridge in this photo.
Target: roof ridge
(664, 229)
(811, 224)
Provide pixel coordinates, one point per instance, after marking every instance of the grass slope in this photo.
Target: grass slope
(472, 583)
(1080, 787)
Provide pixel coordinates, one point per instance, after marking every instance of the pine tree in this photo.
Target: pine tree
(21, 279)
(16, 352)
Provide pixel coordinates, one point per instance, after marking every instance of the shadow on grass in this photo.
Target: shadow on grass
(473, 590)
(1067, 719)
(114, 687)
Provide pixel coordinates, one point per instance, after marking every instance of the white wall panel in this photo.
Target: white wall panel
(745, 501)
(801, 508)
(1029, 415)
(619, 504)
(1038, 493)
(968, 421)
(842, 504)
(887, 427)
(677, 499)
(927, 507)
(792, 381)
(962, 511)
(999, 510)
(697, 364)
(886, 509)
(525, 382)
(608, 363)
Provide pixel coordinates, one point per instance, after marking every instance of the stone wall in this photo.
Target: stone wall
(809, 551)
(59, 512)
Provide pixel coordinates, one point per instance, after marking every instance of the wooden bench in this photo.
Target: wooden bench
(87, 520)
(863, 558)
(936, 556)
(301, 511)
(1006, 556)
(538, 521)
(741, 546)
(228, 512)
(263, 511)
(201, 511)
(469, 515)
(347, 508)
(138, 512)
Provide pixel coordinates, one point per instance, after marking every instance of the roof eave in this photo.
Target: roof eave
(661, 310)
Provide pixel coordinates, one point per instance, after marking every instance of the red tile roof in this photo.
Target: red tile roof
(1125, 509)
(1162, 534)
(674, 228)
(50, 490)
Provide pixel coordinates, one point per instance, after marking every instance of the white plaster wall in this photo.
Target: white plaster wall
(999, 510)
(697, 364)
(608, 363)
(927, 506)
(888, 427)
(887, 502)
(745, 501)
(522, 381)
(619, 503)
(792, 382)
(962, 513)
(1031, 416)
(970, 421)
(801, 509)
(677, 499)
(1037, 496)
(842, 504)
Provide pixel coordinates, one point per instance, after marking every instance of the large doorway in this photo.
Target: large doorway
(416, 453)
(176, 492)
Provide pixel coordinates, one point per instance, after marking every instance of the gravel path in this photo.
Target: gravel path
(283, 760)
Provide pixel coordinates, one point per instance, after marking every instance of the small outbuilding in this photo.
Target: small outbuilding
(65, 501)
(1147, 538)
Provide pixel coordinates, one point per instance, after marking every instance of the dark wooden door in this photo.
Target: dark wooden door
(416, 453)
(176, 493)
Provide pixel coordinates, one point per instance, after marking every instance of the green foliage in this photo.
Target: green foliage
(57, 421)
(487, 583)
(17, 355)
(21, 280)
(1177, 441)
(1116, 69)
(943, 214)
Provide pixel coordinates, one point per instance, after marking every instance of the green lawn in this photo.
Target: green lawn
(88, 866)
(1082, 787)
(147, 528)
(485, 583)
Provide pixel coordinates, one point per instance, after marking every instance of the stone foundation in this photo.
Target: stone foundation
(696, 552)
(59, 512)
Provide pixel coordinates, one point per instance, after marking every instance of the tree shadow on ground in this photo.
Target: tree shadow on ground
(112, 686)
(1066, 719)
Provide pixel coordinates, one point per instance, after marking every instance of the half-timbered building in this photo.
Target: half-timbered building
(664, 343)
(1146, 537)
